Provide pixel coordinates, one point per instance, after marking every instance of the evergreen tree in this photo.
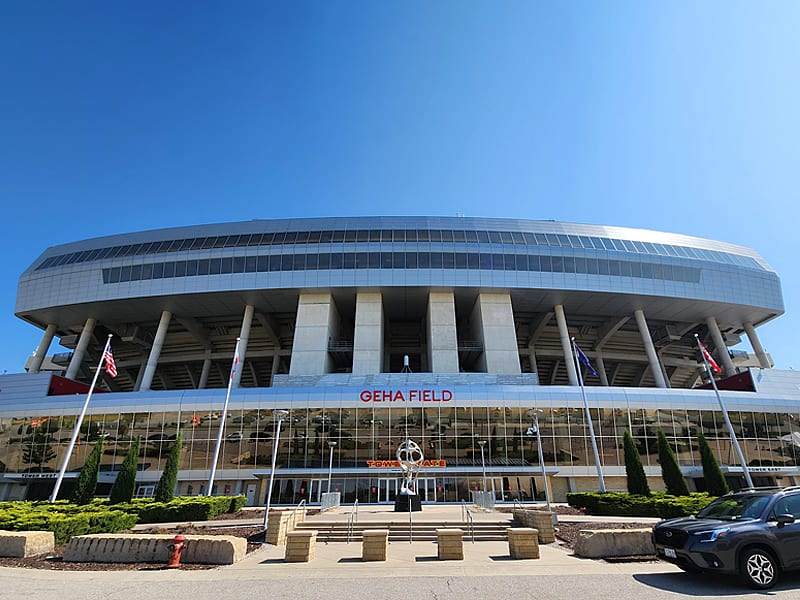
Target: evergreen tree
(125, 484)
(165, 488)
(87, 482)
(712, 474)
(637, 480)
(670, 470)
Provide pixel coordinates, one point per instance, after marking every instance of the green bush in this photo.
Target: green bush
(182, 508)
(658, 504)
(63, 520)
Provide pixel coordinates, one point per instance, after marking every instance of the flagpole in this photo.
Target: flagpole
(725, 416)
(222, 418)
(589, 419)
(78, 423)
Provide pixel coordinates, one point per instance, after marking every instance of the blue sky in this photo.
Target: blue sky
(123, 116)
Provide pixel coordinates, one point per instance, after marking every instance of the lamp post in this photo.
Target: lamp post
(331, 445)
(535, 412)
(482, 443)
(279, 414)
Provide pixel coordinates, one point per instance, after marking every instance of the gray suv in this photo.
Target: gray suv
(751, 533)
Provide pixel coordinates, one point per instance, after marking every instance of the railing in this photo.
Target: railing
(352, 520)
(293, 520)
(466, 516)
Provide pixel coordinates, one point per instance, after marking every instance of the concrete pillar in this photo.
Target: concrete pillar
(201, 385)
(276, 364)
(601, 370)
(368, 334)
(566, 344)
(244, 337)
(722, 349)
(80, 349)
(492, 321)
(140, 375)
(532, 358)
(317, 324)
(649, 348)
(763, 359)
(155, 351)
(442, 338)
(41, 350)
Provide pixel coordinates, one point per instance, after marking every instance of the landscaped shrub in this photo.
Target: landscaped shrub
(712, 474)
(87, 481)
(637, 480)
(658, 504)
(165, 488)
(670, 470)
(125, 483)
(183, 508)
(65, 521)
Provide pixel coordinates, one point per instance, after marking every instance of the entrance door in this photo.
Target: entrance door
(316, 487)
(387, 490)
(426, 489)
(251, 494)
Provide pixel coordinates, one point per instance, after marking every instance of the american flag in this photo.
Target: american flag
(707, 355)
(108, 358)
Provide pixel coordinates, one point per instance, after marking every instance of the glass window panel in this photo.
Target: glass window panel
(191, 268)
(483, 237)
(436, 260)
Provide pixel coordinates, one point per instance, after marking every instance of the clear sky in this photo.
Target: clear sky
(124, 116)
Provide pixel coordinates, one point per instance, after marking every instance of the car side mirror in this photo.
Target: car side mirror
(784, 519)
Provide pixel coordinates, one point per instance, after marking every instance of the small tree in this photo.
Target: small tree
(165, 488)
(637, 480)
(125, 484)
(712, 474)
(670, 470)
(87, 482)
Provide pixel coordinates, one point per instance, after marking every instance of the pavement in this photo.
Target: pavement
(412, 569)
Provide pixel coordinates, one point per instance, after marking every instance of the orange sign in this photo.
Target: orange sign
(438, 463)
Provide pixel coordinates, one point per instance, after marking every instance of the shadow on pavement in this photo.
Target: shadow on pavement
(705, 584)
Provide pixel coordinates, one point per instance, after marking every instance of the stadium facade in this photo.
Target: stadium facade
(369, 330)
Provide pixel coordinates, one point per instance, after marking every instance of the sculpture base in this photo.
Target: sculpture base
(407, 503)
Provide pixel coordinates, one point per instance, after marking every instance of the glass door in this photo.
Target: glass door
(426, 489)
(387, 490)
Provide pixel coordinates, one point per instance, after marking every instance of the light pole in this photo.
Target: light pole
(331, 445)
(535, 412)
(482, 443)
(279, 414)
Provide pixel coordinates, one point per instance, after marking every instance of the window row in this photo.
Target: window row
(400, 260)
(401, 235)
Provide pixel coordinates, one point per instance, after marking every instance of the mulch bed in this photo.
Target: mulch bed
(54, 561)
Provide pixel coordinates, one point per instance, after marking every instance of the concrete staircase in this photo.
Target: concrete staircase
(336, 531)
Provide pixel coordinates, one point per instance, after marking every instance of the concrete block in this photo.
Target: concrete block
(523, 542)
(131, 548)
(600, 543)
(540, 520)
(300, 546)
(22, 544)
(375, 544)
(450, 543)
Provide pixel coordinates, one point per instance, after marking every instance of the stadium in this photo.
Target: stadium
(453, 332)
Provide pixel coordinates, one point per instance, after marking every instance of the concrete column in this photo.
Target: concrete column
(442, 338)
(155, 351)
(140, 375)
(763, 359)
(532, 358)
(492, 321)
(721, 348)
(649, 348)
(601, 370)
(244, 337)
(368, 334)
(41, 350)
(80, 349)
(201, 385)
(317, 323)
(566, 344)
(276, 364)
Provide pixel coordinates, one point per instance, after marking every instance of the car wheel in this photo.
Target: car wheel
(759, 568)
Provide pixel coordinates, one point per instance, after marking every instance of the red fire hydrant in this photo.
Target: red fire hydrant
(175, 549)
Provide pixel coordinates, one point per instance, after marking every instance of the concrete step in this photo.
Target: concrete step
(338, 532)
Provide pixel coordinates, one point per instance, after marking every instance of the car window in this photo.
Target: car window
(789, 505)
(735, 508)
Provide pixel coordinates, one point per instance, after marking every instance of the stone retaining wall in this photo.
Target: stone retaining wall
(600, 543)
(22, 544)
(132, 548)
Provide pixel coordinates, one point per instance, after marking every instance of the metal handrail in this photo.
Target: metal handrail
(466, 516)
(293, 521)
(352, 520)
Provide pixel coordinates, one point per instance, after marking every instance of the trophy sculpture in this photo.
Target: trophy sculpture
(410, 457)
